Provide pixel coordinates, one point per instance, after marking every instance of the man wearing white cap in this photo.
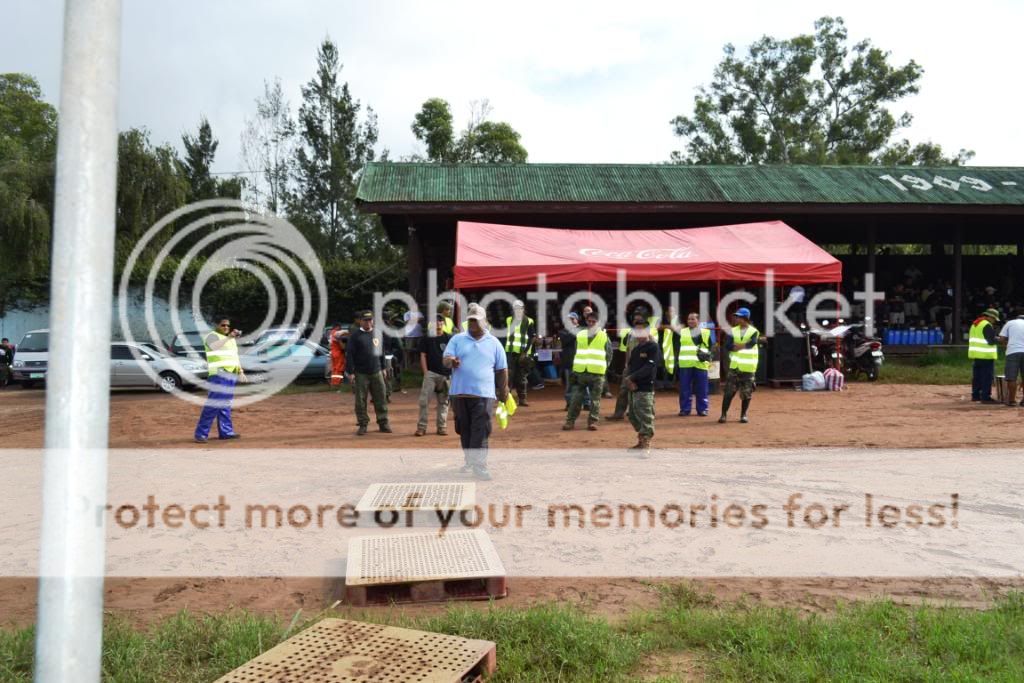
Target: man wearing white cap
(479, 377)
(519, 347)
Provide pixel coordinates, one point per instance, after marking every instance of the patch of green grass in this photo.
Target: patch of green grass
(546, 643)
(875, 641)
(934, 367)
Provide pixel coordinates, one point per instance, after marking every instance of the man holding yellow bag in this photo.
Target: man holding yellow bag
(479, 379)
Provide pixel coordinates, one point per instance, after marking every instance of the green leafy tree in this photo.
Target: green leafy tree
(812, 99)
(151, 182)
(196, 166)
(334, 145)
(482, 141)
(28, 139)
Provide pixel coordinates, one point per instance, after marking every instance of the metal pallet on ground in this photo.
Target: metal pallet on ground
(342, 651)
(423, 567)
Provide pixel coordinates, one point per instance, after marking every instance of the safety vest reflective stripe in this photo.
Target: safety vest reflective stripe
(517, 338)
(977, 347)
(688, 350)
(741, 358)
(225, 358)
(590, 353)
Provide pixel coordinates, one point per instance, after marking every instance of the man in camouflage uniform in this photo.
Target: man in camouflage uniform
(364, 360)
(590, 361)
(743, 353)
(638, 377)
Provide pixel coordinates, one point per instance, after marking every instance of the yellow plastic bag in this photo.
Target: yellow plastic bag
(505, 410)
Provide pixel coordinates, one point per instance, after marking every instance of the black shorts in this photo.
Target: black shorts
(1014, 366)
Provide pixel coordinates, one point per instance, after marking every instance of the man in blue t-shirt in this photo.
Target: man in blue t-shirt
(479, 377)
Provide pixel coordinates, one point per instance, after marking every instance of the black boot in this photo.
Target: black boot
(744, 404)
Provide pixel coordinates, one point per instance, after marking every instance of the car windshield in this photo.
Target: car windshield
(153, 350)
(34, 342)
(193, 341)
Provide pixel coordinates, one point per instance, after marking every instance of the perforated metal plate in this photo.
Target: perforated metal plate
(418, 496)
(399, 558)
(338, 650)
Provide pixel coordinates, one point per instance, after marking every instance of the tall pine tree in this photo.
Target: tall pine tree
(335, 144)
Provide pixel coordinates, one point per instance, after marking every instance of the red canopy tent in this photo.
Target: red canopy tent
(492, 255)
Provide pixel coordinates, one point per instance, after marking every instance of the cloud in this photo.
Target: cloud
(582, 81)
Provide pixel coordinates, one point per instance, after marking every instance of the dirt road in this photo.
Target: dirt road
(870, 416)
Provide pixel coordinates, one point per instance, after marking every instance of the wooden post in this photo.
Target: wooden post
(958, 282)
(414, 256)
(872, 237)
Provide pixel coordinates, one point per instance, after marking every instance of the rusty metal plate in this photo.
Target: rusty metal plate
(343, 651)
(398, 558)
(418, 496)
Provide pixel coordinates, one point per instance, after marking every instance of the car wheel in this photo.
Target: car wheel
(169, 382)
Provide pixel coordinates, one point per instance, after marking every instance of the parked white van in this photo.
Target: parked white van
(31, 358)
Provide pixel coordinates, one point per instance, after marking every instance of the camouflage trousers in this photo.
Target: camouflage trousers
(519, 373)
(743, 382)
(579, 383)
(374, 386)
(641, 412)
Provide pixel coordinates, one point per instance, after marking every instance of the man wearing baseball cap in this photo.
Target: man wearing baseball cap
(365, 361)
(479, 377)
(982, 350)
(742, 348)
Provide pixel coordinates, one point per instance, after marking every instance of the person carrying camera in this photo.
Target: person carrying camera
(225, 370)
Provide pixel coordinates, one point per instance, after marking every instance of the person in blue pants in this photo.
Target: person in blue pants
(225, 368)
(695, 343)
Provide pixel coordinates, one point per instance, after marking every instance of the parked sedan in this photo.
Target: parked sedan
(305, 358)
(129, 361)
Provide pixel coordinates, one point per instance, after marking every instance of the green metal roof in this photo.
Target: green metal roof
(417, 183)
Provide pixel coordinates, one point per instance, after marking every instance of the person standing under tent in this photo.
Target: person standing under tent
(638, 378)
(1012, 336)
(567, 339)
(588, 368)
(364, 361)
(983, 351)
(606, 392)
(695, 354)
(743, 352)
(444, 309)
(628, 341)
(436, 378)
(519, 340)
(479, 368)
(225, 370)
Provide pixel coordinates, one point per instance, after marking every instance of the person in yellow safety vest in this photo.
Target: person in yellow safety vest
(607, 392)
(695, 355)
(444, 309)
(982, 349)
(225, 369)
(521, 332)
(743, 351)
(628, 341)
(589, 365)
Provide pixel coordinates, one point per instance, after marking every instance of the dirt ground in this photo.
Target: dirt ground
(865, 416)
(870, 416)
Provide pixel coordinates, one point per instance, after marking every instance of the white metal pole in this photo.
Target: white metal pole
(70, 613)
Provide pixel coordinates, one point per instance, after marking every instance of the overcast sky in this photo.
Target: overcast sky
(587, 82)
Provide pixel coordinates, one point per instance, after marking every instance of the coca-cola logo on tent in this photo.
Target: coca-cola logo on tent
(671, 254)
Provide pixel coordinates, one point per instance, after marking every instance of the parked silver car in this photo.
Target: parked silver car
(128, 362)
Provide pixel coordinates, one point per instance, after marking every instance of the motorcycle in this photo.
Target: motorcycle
(864, 354)
(848, 347)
